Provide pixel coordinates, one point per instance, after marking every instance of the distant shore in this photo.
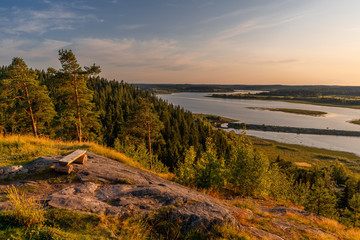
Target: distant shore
(270, 128)
(292, 111)
(311, 100)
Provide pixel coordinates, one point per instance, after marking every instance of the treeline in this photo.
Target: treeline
(305, 96)
(315, 91)
(171, 88)
(72, 103)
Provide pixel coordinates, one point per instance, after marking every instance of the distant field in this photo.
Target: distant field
(293, 111)
(304, 156)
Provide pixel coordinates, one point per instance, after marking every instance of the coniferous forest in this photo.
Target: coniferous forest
(74, 103)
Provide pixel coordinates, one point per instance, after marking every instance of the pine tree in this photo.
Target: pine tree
(74, 99)
(28, 101)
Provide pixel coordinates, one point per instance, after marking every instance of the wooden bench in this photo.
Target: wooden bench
(64, 164)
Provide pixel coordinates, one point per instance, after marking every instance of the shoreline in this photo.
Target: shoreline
(271, 128)
(285, 100)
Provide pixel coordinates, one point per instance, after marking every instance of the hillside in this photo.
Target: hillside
(119, 121)
(106, 198)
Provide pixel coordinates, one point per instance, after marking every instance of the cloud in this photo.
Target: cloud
(226, 15)
(113, 55)
(134, 54)
(253, 25)
(37, 54)
(282, 61)
(55, 17)
(131, 26)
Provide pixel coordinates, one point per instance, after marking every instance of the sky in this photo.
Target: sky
(288, 42)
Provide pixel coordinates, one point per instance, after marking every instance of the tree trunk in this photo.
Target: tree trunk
(355, 218)
(149, 139)
(33, 121)
(78, 126)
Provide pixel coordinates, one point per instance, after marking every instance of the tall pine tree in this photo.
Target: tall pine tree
(73, 97)
(26, 100)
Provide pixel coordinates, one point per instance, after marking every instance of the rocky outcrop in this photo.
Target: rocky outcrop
(35, 166)
(113, 188)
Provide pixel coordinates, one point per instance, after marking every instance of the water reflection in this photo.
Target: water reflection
(337, 118)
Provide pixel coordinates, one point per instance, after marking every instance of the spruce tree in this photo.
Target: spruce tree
(322, 199)
(354, 203)
(248, 170)
(145, 124)
(186, 169)
(210, 168)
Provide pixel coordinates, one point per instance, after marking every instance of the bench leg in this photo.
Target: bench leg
(82, 159)
(64, 169)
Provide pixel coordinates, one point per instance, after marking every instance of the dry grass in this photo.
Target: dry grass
(20, 149)
(26, 210)
(302, 164)
(329, 225)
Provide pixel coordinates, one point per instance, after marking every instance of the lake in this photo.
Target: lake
(337, 118)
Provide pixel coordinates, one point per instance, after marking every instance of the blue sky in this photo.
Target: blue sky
(190, 41)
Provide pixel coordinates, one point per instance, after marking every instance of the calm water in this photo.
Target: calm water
(337, 118)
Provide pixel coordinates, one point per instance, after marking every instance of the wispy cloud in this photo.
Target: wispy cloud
(41, 54)
(281, 61)
(112, 54)
(226, 15)
(131, 26)
(254, 24)
(135, 54)
(56, 17)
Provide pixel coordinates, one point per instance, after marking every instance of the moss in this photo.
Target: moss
(124, 181)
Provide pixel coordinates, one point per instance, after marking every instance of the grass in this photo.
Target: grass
(293, 111)
(355, 121)
(25, 210)
(305, 156)
(21, 149)
(328, 225)
(213, 118)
